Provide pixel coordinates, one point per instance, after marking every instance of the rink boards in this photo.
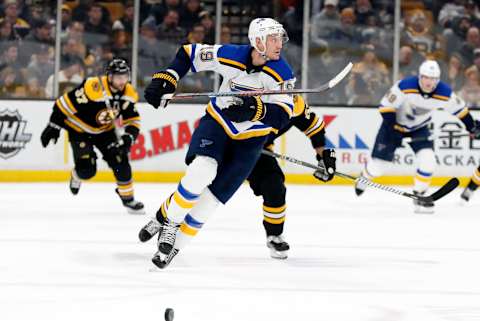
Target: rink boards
(158, 153)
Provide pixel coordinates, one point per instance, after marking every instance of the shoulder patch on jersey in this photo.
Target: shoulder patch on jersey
(442, 92)
(299, 106)
(130, 94)
(93, 89)
(278, 69)
(408, 84)
(235, 56)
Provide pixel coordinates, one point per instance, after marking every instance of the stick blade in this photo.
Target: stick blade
(445, 189)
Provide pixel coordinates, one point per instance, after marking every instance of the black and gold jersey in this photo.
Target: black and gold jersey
(84, 110)
(306, 121)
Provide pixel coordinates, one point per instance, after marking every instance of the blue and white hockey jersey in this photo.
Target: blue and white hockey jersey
(231, 62)
(414, 108)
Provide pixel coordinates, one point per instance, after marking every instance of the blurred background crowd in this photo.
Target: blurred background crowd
(361, 31)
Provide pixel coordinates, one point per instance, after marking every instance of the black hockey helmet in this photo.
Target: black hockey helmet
(117, 66)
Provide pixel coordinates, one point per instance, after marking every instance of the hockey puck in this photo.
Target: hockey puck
(169, 314)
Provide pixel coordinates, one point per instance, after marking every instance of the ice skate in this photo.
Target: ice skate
(166, 240)
(149, 230)
(278, 247)
(75, 183)
(133, 206)
(422, 207)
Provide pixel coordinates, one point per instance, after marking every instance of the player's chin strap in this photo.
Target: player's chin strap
(330, 84)
(444, 190)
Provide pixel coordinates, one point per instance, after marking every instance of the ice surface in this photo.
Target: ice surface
(354, 259)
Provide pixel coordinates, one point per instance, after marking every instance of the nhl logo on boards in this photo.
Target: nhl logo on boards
(12, 133)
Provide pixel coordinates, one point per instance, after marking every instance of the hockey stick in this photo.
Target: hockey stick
(433, 137)
(444, 190)
(330, 84)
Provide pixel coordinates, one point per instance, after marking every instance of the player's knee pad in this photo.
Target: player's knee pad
(376, 167)
(426, 160)
(273, 190)
(86, 167)
(200, 173)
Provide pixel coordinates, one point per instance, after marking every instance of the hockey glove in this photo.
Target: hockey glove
(160, 90)
(327, 163)
(475, 132)
(122, 146)
(249, 108)
(51, 132)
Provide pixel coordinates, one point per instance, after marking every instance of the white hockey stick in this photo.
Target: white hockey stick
(330, 84)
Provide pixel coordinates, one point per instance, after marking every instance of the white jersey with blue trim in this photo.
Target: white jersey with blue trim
(231, 62)
(413, 108)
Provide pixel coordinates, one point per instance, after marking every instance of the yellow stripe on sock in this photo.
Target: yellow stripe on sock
(275, 209)
(181, 202)
(274, 220)
(185, 229)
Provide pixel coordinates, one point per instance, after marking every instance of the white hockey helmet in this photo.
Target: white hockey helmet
(429, 68)
(261, 28)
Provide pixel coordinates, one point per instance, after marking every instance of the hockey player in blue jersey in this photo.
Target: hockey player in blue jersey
(230, 136)
(407, 111)
(268, 181)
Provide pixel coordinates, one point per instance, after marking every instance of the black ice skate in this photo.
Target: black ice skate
(132, 206)
(360, 185)
(421, 206)
(149, 230)
(166, 240)
(75, 183)
(278, 247)
(468, 191)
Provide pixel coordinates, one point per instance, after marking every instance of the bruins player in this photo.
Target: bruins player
(267, 179)
(88, 113)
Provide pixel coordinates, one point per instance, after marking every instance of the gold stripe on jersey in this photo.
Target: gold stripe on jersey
(298, 105)
(386, 109)
(463, 113)
(440, 97)
(130, 94)
(77, 121)
(238, 136)
(188, 49)
(314, 122)
(72, 108)
(272, 73)
(316, 130)
(73, 126)
(232, 63)
(94, 91)
(410, 91)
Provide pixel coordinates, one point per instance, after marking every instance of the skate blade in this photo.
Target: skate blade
(278, 255)
(136, 212)
(424, 211)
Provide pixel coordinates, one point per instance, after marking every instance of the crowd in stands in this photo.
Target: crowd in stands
(362, 31)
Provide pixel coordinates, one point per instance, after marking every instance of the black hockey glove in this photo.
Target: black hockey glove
(51, 132)
(327, 163)
(249, 108)
(475, 132)
(122, 146)
(161, 89)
